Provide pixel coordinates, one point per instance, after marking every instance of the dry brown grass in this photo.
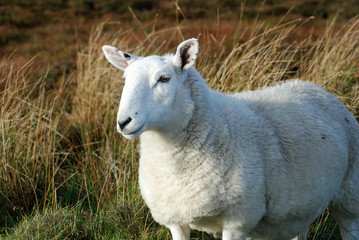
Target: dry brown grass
(59, 147)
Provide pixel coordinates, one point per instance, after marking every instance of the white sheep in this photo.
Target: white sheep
(253, 165)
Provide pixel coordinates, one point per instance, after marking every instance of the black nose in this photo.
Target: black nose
(124, 123)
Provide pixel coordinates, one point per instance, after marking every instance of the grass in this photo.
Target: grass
(65, 173)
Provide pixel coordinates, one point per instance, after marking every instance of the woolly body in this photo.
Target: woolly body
(259, 164)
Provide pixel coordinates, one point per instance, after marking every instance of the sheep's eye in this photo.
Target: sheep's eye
(164, 79)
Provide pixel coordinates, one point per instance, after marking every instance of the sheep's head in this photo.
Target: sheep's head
(154, 96)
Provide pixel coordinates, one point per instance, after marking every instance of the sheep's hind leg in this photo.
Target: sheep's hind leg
(346, 214)
(345, 206)
(180, 232)
(349, 227)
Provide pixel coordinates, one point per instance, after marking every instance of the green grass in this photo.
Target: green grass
(110, 222)
(65, 173)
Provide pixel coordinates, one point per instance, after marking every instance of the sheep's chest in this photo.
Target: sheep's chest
(179, 197)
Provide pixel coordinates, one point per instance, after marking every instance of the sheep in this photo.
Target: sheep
(252, 165)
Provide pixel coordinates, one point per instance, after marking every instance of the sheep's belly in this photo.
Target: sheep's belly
(287, 229)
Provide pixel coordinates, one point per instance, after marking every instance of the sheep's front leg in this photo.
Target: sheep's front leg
(233, 235)
(301, 236)
(180, 232)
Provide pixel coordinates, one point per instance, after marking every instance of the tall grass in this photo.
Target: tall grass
(66, 173)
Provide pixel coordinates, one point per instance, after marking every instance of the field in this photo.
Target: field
(65, 173)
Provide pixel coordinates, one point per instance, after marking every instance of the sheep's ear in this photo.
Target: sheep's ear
(118, 58)
(186, 54)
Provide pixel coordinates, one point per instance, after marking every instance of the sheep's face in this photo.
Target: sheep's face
(147, 97)
(153, 91)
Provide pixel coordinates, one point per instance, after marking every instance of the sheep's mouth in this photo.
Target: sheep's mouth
(134, 132)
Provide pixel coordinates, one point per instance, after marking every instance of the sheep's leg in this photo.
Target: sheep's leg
(233, 235)
(301, 236)
(180, 232)
(346, 206)
(349, 227)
